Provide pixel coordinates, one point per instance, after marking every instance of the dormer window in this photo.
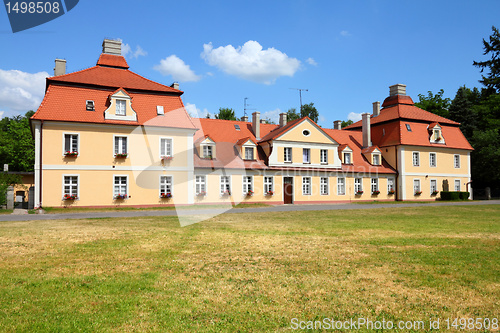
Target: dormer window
(120, 107)
(376, 159)
(249, 153)
(347, 158)
(159, 110)
(89, 106)
(208, 152)
(437, 134)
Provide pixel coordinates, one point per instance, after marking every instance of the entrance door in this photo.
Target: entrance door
(288, 190)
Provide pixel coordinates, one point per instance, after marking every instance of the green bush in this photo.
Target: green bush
(455, 195)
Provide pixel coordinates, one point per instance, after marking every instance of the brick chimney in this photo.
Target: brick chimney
(283, 119)
(110, 46)
(337, 124)
(256, 124)
(60, 67)
(367, 137)
(376, 108)
(397, 89)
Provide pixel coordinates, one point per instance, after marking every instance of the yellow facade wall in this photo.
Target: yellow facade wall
(444, 160)
(295, 134)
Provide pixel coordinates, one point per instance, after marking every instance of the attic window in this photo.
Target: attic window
(89, 105)
(159, 109)
(237, 127)
(408, 128)
(306, 132)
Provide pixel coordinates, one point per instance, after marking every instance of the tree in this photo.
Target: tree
(462, 110)
(492, 80)
(308, 110)
(346, 123)
(292, 114)
(435, 103)
(226, 113)
(17, 147)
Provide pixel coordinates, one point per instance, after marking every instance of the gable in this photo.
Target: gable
(120, 96)
(306, 131)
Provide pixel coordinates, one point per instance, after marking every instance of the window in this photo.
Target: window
(89, 106)
(340, 186)
(71, 186)
(432, 159)
(225, 185)
(347, 158)
(408, 127)
(358, 185)
(120, 107)
(433, 186)
(457, 184)
(200, 185)
(324, 156)
(165, 185)
(207, 151)
(324, 186)
(160, 110)
(437, 134)
(70, 143)
(268, 185)
(376, 159)
(120, 187)
(249, 153)
(237, 127)
(416, 186)
(306, 155)
(306, 132)
(120, 145)
(288, 155)
(374, 184)
(306, 185)
(247, 184)
(416, 158)
(390, 185)
(166, 147)
(456, 161)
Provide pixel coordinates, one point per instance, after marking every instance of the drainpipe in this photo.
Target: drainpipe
(40, 183)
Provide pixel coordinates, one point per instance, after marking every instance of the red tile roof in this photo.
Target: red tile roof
(277, 131)
(112, 61)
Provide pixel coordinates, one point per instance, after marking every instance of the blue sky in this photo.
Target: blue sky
(346, 53)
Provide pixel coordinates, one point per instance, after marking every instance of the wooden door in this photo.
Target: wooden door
(288, 190)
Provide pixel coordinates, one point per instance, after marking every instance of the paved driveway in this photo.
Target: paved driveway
(216, 211)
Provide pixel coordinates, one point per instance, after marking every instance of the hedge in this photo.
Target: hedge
(454, 195)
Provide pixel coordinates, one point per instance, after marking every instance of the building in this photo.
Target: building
(106, 136)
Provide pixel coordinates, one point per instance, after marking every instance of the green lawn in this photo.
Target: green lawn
(250, 272)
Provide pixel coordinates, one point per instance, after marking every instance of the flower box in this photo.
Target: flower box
(438, 139)
(201, 194)
(71, 154)
(418, 192)
(376, 192)
(121, 155)
(391, 192)
(434, 192)
(270, 193)
(166, 158)
(359, 192)
(226, 193)
(166, 195)
(208, 157)
(70, 197)
(249, 193)
(120, 196)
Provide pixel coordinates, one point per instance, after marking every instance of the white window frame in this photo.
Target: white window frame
(64, 150)
(433, 187)
(390, 185)
(268, 184)
(306, 155)
(166, 144)
(417, 186)
(376, 159)
(249, 149)
(160, 110)
(416, 161)
(431, 164)
(120, 145)
(456, 161)
(247, 184)
(71, 191)
(374, 184)
(457, 185)
(340, 186)
(287, 152)
(118, 109)
(200, 184)
(205, 149)
(323, 156)
(126, 185)
(358, 185)
(224, 184)
(306, 185)
(324, 186)
(164, 185)
(347, 158)
(437, 133)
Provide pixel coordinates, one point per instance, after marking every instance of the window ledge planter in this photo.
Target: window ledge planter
(434, 192)
(418, 192)
(166, 158)
(359, 192)
(71, 154)
(120, 196)
(249, 193)
(207, 157)
(391, 192)
(375, 192)
(270, 193)
(121, 155)
(70, 197)
(201, 194)
(225, 193)
(166, 195)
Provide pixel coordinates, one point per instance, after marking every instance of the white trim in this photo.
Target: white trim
(377, 184)
(189, 169)
(401, 191)
(413, 159)
(344, 185)
(243, 184)
(435, 159)
(171, 145)
(230, 184)
(264, 183)
(308, 130)
(430, 185)
(64, 141)
(127, 185)
(459, 184)
(436, 174)
(205, 182)
(310, 185)
(313, 125)
(327, 185)
(114, 142)
(110, 168)
(419, 185)
(38, 134)
(332, 149)
(117, 127)
(171, 184)
(459, 162)
(77, 184)
(321, 156)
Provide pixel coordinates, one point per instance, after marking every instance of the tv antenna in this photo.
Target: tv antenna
(245, 108)
(300, 95)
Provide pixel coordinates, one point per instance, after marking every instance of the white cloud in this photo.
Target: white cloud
(311, 61)
(174, 66)
(21, 91)
(195, 112)
(274, 115)
(1, 114)
(354, 116)
(127, 51)
(345, 33)
(251, 62)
